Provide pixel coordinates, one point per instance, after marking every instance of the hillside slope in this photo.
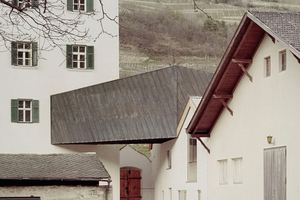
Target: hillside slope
(160, 33)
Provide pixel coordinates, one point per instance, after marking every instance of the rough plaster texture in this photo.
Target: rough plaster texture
(58, 192)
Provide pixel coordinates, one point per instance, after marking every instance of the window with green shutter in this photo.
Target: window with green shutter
(79, 57)
(80, 5)
(24, 54)
(25, 110)
(26, 3)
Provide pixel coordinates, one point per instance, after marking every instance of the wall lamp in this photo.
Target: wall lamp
(270, 139)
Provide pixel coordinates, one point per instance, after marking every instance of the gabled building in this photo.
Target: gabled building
(250, 109)
(145, 108)
(29, 76)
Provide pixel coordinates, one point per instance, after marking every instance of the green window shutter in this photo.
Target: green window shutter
(34, 54)
(70, 5)
(69, 53)
(14, 53)
(15, 2)
(89, 5)
(34, 3)
(14, 110)
(90, 57)
(35, 111)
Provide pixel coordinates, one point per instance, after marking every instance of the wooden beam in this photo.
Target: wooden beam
(226, 106)
(222, 96)
(196, 136)
(248, 61)
(245, 71)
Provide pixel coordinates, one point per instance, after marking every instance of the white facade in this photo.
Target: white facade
(50, 77)
(266, 106)
(131, 159)
(171, 179)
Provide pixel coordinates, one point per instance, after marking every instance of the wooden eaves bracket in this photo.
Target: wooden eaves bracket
(198, 137)
(221, 98)
(241, 63)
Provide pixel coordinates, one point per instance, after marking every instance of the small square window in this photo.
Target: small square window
(282, 61)
(222, 172)
(267, 66)
(22, 53)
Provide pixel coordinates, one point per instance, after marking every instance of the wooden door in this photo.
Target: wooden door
(130, 185)
(275, 174)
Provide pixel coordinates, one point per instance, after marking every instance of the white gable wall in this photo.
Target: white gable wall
(266, 106)
(176, 177)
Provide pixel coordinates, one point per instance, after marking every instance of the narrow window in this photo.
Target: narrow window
(222, 172)
(282, 61)
(182, 194)
(237, 170)
(199, 194)
(267, 66)
(169, 160)
(170, 190)
(192, 149)
(192, 159)
(162, 195)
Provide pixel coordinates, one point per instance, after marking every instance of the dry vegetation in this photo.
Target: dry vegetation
(161, 33)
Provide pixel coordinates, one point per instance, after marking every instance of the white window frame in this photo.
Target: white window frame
(237, 170)
(79, 3)
(223, 172)
(24, 54)
(282, 61)
(23, 110)
(79, 57)
(267, 66)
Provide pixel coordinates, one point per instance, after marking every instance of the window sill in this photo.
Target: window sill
(24, 67)
(191, 181)
(80, 70)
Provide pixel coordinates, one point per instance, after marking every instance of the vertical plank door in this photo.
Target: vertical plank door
(130, 185)
(275, 173)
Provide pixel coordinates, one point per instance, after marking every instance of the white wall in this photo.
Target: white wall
(176, 177)
(51, 77)
(266, 106)
(130, 158)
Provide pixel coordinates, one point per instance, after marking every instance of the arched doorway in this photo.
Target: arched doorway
(130, 183)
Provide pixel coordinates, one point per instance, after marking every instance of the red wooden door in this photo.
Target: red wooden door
(130, 185)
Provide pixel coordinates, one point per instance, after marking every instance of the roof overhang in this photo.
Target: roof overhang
(232, 67)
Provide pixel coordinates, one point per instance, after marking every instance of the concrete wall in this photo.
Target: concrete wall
(129, 159)
(59, 192)
(51, 77)
(266, 106)
(172, 180)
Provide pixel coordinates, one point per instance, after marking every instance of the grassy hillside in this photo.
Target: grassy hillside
(160, 33)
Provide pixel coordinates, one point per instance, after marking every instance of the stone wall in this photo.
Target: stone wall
(59, 192)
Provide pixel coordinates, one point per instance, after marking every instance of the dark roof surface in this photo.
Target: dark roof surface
(145, 108)
(71, 167)
(283, 27)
